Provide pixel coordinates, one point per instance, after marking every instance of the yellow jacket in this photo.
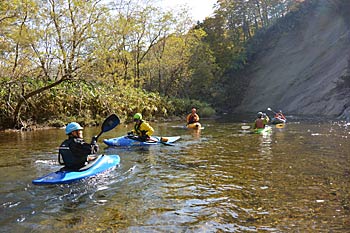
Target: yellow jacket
(143, 129)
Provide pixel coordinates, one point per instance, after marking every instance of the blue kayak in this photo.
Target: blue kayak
(278, 121)
(133, 141)
(100, 164)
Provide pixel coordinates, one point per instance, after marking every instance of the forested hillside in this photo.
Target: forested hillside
(63, 60)
(74, 59)
(304, 68)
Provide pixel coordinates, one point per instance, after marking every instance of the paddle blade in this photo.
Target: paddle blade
(280, 126)
(110, 123)
(245, 127)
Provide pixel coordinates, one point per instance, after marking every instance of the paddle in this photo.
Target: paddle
(162, 140)
(109, 123)
(269, 109)
(245, 127)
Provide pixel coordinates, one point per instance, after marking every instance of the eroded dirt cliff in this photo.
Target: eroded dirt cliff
(307, 69)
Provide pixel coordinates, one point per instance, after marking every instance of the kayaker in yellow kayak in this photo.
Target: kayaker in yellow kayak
(141, 129)
(192, 118)
(279, 115)
(261, 121)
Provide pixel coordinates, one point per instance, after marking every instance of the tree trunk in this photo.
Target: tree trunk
(16, 115)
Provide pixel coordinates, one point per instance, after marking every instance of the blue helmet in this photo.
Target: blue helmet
(73, 126)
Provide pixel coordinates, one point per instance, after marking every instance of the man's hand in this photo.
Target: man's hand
(91, 157)
(94, 140)
(94, 149)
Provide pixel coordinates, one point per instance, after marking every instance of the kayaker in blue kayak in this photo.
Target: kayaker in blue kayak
(261, 121)
(279, 115)
(74, 150)
(142, 129)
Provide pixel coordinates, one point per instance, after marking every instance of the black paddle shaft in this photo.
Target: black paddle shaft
(271, 110)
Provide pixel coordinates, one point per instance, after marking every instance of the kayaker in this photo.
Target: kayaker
(261, 121)
(192, 117)
(74, 150)
(279, 115)
(142, 129)
(266, 118)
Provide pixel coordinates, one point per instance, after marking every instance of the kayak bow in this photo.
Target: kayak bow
(195, 125)
(267, 129)
(99, 165)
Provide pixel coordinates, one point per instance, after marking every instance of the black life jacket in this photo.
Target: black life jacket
(70, 160)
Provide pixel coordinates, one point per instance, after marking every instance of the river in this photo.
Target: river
(219, 179)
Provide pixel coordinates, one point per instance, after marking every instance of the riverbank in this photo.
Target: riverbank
(86, 123)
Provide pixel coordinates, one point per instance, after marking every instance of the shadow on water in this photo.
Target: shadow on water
(220, 179)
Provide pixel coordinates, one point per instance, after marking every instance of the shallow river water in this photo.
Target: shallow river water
(219, 179)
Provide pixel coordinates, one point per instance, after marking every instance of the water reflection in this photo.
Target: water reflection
(196, 133)
(265, 144)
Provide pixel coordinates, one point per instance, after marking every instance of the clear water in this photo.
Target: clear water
(220, 179)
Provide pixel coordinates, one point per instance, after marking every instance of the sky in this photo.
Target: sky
(199, 9)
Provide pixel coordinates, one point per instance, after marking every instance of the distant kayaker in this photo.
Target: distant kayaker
(261, 121)
(279, 115)
(192, 117)
(142, 129)
(74, 150)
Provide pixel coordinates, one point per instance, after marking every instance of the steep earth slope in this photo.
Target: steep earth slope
(307, 70)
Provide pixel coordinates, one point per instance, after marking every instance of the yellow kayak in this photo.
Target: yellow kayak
(195, 125)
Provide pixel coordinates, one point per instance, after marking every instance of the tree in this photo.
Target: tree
(50, 46)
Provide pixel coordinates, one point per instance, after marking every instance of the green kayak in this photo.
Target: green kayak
(267, 129)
